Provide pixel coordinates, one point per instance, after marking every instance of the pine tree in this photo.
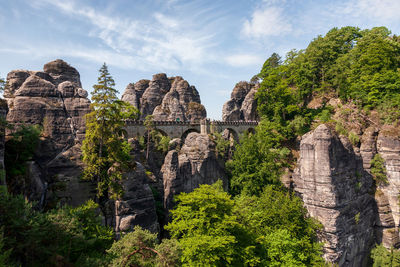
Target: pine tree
(105, 152)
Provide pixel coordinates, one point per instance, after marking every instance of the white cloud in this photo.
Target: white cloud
(242, 60)
(269, 21)
(165, 42)
(384, 10)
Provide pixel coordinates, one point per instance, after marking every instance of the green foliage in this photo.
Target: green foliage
(2, 85)
(161, 141)
(363, 65)
(357, 218)
(383, 257)
(141, 248)
(378, 170)
(4, 254)
(222, 145)
(354, 138)
(65, 235)
(267, 230)
(105, 152)
(18, 150)
(206, 228)
(278, 222)
(258, 160)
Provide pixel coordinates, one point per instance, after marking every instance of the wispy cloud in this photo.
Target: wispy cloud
(243, 60)
(267, 21)
(383, 10)
(165, 42)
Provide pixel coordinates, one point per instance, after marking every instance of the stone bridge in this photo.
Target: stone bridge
(180, 129)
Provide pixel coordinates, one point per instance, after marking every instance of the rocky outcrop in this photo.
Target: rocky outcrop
(137, 206)
(388, 146)
(54, 99)
(166, 99)
(242, 105)
(336, 191)
(194, 164)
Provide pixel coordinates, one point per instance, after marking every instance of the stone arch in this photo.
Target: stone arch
(234, 134)
(187, 132)
(161, 131)
(251, 130)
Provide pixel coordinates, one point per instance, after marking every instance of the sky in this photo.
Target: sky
(213, 44)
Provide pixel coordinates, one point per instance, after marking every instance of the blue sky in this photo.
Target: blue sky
(212, 44)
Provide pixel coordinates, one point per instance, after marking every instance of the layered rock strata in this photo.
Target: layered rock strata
(194, 164)
(242, 105)
(166, 99)
(336, 191)
(54, 99)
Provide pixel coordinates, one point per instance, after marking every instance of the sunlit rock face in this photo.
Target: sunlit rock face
(52, 98)
(166, 99)
(242, 104)
(194, 164)
(336, 190)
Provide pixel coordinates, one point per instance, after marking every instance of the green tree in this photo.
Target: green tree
(105, 152)
(2, 85)
(278, 222)
(258, 160)
(206, 228)
(382, 256)
(141, 248)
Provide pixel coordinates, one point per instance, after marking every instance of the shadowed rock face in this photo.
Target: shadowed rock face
(165, 98)
(54, 99)
(196, 163)
(335, 189)
(137, 206)
(242, 105)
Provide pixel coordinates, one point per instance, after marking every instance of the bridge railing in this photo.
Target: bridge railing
(170, 122)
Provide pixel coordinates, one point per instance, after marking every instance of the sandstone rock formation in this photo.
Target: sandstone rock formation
(335, 189)
(242, 105)
(165, 98)
(196, 163)
(387, 195)
(137, 206)
(54, 99)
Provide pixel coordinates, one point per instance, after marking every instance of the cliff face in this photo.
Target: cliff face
(196, 163)
(335, 190)
(242, 105)
(54, 99)
(334, 179)
(165, 98)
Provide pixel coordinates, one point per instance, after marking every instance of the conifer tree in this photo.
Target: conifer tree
(105, 152)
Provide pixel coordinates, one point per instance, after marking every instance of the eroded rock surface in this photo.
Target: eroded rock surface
(54, 99)
(166, 99)
(242, 105)
(335, 189)
(137, 206)
(196, 163)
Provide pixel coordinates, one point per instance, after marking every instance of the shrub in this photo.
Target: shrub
(378, 170)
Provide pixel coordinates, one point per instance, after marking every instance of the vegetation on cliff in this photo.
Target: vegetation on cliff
(105, 151)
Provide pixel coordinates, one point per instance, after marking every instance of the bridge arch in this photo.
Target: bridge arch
(233, 133)
(251, 130)
(187, 132)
